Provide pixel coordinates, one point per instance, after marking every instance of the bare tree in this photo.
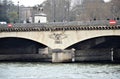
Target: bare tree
(115, 9)
(81, 10)
(92, 10)
(57, 10)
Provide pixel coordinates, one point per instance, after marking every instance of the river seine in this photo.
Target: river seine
(36, 70)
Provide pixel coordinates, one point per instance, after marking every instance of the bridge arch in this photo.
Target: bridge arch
(18, 45)
(79, 36)
(40, 37)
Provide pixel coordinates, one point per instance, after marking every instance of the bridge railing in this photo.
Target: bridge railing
(57, 24)
(62, 24)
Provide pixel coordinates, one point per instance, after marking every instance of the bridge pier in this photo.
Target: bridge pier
(59, 55)
(116, 55)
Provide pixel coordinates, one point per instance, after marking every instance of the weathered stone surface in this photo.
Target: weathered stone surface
(63, 56)
(93, 55)
(25, 57)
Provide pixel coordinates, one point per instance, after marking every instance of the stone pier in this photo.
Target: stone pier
(59, 55)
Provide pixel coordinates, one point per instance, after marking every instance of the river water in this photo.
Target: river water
(36, 70)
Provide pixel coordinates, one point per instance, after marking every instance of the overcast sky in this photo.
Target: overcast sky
(28, 2)
(33, 2)
(107, 0)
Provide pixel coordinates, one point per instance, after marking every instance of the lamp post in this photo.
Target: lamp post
(54, 11)
(68, 11)
(18, 13)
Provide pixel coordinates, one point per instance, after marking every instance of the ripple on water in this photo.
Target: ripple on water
(38, 70)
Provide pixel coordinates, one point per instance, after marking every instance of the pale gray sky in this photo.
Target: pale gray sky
(107, 0)
(34, 2)
(28, 2)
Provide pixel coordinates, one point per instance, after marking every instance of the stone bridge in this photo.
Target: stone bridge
(33, 38)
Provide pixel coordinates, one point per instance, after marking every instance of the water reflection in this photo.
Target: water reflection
(29, 70)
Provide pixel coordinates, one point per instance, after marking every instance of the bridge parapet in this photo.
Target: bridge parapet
(18, 29)
(50, 27)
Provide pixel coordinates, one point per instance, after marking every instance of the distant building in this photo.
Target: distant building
(26, 14)
(40, 18)
(31, 15)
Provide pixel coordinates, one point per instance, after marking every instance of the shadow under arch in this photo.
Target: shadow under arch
(16, 45)
(112, 41)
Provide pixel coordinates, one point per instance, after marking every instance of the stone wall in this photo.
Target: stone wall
(25, 57)
(93, 55)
